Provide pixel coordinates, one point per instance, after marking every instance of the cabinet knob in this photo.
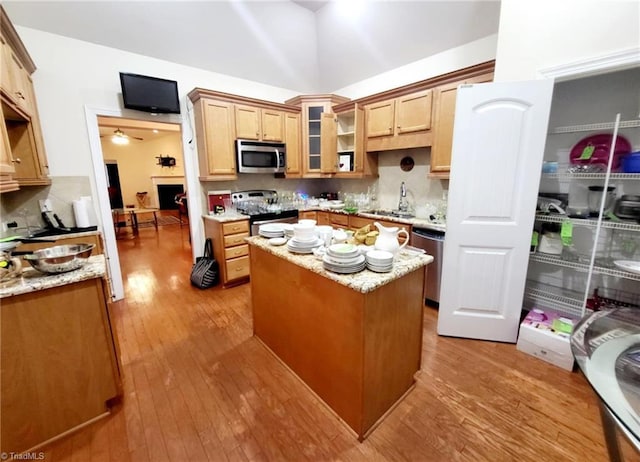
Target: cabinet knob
(398, 127)
(17, 160)
(20, 95)
(257, 133)
(390, 129)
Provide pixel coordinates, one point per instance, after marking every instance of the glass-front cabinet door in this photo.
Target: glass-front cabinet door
(313, 107)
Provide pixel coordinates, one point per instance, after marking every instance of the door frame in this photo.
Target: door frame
(101, 191)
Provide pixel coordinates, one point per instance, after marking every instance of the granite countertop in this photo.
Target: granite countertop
(416, 222)
(364, 281)
(33, 280)
(224, 218)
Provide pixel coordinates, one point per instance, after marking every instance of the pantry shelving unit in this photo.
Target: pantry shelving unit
(566, 282)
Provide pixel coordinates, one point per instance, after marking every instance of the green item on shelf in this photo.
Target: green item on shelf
(566, 232)
(560, 325)
(535, 236)
(587, 152)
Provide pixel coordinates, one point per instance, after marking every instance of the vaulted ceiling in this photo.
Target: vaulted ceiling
(309, 48)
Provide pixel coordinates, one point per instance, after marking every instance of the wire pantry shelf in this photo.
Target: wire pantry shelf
(590, 222)
(594, 127)
(557, 298)
(558, 261)
(605, 297)
(590, 176)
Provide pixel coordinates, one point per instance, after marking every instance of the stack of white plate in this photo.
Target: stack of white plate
(288, 230)
(270, 230)
(344, 259)
(296, 245)
(379, 261)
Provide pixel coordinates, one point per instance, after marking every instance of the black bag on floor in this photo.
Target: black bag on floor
(204, 273)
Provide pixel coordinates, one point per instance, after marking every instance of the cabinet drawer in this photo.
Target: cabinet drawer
(340, 220)
(359, 222)
(323, 218)
(235, 227)
(237, 268)
(235, 252)
(307, 216)
(235, 239)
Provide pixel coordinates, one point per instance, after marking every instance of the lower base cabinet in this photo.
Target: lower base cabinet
(60, 367)
(230, 249)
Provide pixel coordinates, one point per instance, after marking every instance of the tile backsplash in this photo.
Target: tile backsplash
(22, 206)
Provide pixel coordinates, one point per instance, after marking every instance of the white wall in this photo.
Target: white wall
(535, 35)
(384, 35)
(469, 54)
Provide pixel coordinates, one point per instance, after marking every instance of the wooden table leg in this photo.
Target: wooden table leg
(134, 223)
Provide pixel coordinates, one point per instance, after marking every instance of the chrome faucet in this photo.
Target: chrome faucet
(403, 205)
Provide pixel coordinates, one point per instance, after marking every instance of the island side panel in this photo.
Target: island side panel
(56, 363)
(314, 325)
(393, 343)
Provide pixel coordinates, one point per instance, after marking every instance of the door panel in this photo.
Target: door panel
(498, 144)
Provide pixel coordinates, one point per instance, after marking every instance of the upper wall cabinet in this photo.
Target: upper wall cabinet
(293, 140)
(314, 165)
(253, 123)
(444, 114)
(402, 122)
(222, 118)
(419, 115)
(343, 152)
(23, 160)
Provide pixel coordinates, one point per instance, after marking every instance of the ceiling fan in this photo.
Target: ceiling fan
(119, 137)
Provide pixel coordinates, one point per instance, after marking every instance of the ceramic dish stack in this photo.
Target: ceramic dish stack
(270, 230)
(343, 259)
(297, 245)
(288, 230)
(379, 261)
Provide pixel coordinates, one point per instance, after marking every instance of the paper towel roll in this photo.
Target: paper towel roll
(80, 213)
(91, 211)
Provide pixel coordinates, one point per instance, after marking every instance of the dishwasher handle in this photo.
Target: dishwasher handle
(429, 233)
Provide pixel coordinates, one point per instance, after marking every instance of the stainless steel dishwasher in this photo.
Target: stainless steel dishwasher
(432, 242)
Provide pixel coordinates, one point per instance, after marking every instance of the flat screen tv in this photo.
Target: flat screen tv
(149, 94)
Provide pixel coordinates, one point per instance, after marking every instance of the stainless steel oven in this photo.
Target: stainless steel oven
(275, 218)
(262, 206)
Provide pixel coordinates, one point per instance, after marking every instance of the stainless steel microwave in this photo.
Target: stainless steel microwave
(261, 157)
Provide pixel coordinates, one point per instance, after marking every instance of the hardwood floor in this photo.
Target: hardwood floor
(198, 387)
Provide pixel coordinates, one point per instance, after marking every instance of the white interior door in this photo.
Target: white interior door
(498, 145)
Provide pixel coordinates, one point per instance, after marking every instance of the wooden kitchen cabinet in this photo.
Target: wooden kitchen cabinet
(22, 143)
(215, 135)
(60, 365)
(398, 123)
(314, 165)
(7, 170)
(230, 249)
(254, 123)
(343, 151)
(308, 215)
(444, 115)
(293, 142)
(221, 118)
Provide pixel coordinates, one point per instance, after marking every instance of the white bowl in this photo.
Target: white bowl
(307, 223)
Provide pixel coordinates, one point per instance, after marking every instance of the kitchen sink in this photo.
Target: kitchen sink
(389, 213)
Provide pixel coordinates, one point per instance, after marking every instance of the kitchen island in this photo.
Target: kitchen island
(355, 340)
(59, 356)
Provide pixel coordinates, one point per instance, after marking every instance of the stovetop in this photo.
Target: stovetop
(261, 204)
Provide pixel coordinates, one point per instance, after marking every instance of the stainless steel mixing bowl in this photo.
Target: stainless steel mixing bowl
(60, 258)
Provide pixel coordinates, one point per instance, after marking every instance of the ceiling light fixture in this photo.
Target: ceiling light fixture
(119, 138)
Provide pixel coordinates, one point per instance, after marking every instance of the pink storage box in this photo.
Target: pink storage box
(545, 334)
